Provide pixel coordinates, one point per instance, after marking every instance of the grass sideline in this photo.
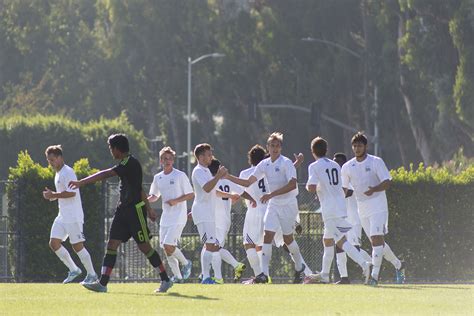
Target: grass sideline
(233, 299)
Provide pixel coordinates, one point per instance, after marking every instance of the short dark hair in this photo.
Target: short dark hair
(201, 148)
(120, 142)
(214, 166)
(56, 150)
(319, 146)
(256, 154)
(359, 137)
(341, 156)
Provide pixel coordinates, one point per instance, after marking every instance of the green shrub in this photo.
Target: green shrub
(31, 216)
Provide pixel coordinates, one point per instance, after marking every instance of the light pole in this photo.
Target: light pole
(190, 63)
(355, 54)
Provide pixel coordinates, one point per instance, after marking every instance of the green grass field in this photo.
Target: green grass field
(233, 299)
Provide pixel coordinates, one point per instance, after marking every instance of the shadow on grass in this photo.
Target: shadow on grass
(172, 294)
(420, 287)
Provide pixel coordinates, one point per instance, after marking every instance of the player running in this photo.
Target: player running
(174, 188)
(70, 218)
(369, 177)
(130, 216)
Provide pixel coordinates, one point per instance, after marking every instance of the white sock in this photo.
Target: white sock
(377, 256)
(227, 257)
(254, 261)
(341, 260)
(180, 256)
(174, 265)
(216, 264)
(365, 255)
(266, 257)
(260, 258)
(328, 255)
(86, 261)
(296, 254)
(390, 256)
(65, 257)
(307, 270)
(206, 259)
(354, 254)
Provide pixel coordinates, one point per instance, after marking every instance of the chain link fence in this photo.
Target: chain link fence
(133, 266)
(7, 237)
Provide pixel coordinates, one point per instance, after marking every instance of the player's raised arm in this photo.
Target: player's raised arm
(242, 182)
(99, 176)
(209, 186)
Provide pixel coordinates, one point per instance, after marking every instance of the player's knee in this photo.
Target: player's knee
(377, 241)
(54, 244)
(78, 247)
(328, 242)
(169, 249)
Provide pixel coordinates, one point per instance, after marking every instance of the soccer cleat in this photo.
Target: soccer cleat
(186, 272)
(249, 281)
(72, 275)
(261, 278)
(90, 279)
(299, 275)
(372, 282)
(208, 281)
(310, 279)
(400, 274)
(319, 277)
(164, 286)
(95, 286)
(238, 271)
(218, 281)
(344, 280)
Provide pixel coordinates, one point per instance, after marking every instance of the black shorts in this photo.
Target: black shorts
(130, 222)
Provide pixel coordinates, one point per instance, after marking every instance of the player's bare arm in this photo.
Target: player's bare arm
(182, 198)
(247, 196)
(209, 186)
(382, 186)
(290, 186)
(52, 195)
(299, 159)
(226, 195)
(311, 188)
(99, 176)
(153, 198)
(151, 213)
(242, 182)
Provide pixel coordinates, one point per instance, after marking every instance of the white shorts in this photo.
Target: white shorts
(64, 230)
(169, 235)
(336, 228)
(207, 232)
(253, 226)
(376, 224)
(281, 216)
(354, 235)
(221, 234)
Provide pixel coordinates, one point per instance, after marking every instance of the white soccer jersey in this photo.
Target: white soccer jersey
(223, 206)
(204, 203)
(256, 190)
(171, 186)
(370, 172)
(70, 209)
(326, 175)
(278, 174)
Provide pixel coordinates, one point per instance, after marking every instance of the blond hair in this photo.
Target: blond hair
(275, 136)
(56, 150)
(167, 150)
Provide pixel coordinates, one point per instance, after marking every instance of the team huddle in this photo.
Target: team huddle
(351, 194)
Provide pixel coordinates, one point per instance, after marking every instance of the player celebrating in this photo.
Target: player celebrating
(369, 177)
(228, 193)
(203, 211)
(70, 218)
(282, 208)
(354, 235)
(175, 189)
(324, 179)
(130, 216)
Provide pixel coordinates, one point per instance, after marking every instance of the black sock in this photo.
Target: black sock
(156, 262)
(107, 266)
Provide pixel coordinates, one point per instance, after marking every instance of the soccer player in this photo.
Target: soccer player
(282, 207)
(70, 218)
(369, 177)
(175, 189)
(130, 216)
(203, 211)
(324, 180)
(354, 235)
